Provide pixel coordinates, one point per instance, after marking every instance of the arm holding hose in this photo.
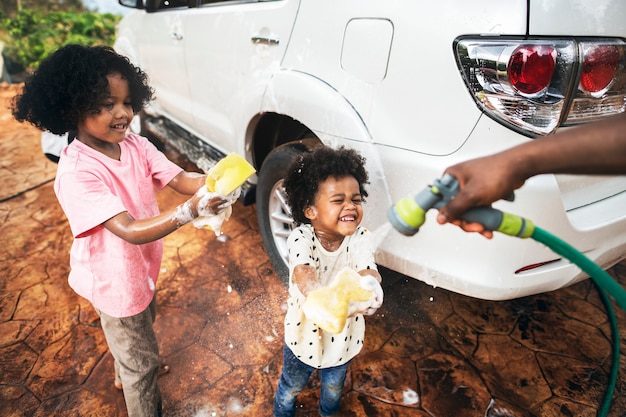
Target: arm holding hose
(595, 148)
(409, 214)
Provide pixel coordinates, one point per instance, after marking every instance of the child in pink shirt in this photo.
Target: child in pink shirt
(105, 184)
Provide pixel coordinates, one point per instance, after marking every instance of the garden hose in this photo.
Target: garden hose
(604, 283)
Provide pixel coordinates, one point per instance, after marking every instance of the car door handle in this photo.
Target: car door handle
(261, 40)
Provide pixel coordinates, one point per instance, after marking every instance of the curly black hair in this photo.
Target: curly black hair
(72, 83)
(312, 168)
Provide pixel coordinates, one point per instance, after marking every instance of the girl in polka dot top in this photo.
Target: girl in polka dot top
(325, 190)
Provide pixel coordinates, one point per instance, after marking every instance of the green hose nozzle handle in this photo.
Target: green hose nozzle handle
(409, 214)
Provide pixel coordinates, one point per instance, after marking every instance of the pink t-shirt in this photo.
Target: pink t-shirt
(117, 277)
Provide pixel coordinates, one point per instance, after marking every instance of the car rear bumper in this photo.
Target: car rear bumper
(503, 267)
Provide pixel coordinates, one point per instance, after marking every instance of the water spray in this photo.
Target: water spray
(409, 214)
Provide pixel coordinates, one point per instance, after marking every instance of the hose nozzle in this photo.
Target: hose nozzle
(406, 216)
(409, 214)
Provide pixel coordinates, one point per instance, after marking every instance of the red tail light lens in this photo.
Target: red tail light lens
(531, 68)
(600, 64)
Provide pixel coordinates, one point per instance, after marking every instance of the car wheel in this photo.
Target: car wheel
(275, 221)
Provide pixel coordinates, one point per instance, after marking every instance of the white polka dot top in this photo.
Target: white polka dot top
(309, 343)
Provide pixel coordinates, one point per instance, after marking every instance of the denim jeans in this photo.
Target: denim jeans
(294, 379)
(133, 344)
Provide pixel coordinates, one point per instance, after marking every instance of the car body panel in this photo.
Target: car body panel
(440, 254)
(381, 77)
(235, 82)
(577, 18)
(161, 44)
(330, 113)
(392, 119)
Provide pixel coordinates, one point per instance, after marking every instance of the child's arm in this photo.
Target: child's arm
(187, 182)
(305, 277)
(143, 231)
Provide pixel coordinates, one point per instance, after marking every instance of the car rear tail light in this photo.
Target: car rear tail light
(600, 64)
(531, 68)
(536, 85)
(602, 85)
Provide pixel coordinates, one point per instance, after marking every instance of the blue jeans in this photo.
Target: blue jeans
(294, 379)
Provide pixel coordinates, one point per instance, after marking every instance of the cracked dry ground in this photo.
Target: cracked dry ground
(428, 352)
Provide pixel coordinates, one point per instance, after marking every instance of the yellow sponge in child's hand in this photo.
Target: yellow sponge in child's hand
(224, 179)
(228, 174)
(328, 306)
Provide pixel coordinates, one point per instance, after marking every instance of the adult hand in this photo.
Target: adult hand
(481, 181)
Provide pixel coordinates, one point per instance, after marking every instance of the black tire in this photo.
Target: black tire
(275, 222)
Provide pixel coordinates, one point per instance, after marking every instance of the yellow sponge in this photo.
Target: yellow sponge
(328, 306)
(228, 174)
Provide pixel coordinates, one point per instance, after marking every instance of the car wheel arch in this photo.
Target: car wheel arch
(317, 105)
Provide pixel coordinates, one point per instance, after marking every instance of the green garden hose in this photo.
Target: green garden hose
(605, 284)
(599, 276)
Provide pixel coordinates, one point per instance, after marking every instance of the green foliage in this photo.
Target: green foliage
(31, 36)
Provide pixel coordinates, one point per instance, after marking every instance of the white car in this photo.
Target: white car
(414, 86)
